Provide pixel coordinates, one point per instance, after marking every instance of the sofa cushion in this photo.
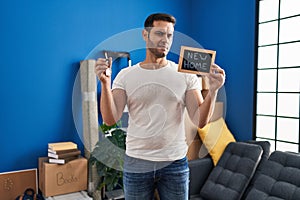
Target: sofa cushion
(264, 157)
(278, 178)
(216, 136)
(231, 176)
(199, 171)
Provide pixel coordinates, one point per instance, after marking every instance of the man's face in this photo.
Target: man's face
(159, 38)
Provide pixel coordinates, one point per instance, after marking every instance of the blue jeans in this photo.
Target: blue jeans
(141, 177)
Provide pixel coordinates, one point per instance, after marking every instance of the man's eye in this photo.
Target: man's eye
(160, 33)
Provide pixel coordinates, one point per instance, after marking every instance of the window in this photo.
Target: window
(278, 74)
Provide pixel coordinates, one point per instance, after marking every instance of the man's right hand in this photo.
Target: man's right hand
(101, 67)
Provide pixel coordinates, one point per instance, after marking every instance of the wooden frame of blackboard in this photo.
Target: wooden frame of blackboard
(183, 62)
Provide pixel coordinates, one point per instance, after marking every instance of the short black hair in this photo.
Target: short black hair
(158, 17)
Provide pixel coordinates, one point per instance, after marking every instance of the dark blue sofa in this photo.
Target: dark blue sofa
(247, 171)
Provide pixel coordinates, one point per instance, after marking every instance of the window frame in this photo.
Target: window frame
(276, 92)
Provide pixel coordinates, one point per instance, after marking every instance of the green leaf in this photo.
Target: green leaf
(105, 128)
(102, 154)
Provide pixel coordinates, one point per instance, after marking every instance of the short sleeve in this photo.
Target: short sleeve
(193, 82)
(118, 82)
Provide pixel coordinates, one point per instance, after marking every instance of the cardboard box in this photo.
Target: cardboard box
(14, 184)
(55, 179)
(194, 148)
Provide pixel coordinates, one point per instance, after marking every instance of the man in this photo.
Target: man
(156, 95)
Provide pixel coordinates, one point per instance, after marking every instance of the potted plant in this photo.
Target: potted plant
(108, 156)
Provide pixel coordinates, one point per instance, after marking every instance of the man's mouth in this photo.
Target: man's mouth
(163, 48)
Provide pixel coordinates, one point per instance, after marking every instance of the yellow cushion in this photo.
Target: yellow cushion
(216, 136)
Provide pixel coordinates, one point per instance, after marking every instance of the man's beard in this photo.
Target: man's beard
(157, 54)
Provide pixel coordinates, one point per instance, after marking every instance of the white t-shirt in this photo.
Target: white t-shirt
(156, 102)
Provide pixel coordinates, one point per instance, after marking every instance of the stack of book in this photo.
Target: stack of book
(62, 152)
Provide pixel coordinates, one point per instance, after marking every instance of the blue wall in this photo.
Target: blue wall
(42, 43)
(229, 28)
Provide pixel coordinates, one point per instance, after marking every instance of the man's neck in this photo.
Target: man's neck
(152, 62)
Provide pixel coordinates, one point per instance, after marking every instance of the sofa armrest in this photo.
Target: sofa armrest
(199, 171)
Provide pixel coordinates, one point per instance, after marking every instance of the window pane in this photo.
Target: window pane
(289, 29)
(268, 10)
(266, 80)
(288, 105)
(289, 8)
(288, 129)
(282, 146)
(266, 104)
(289, 55)
(265, 127)
(268, 33)
(267, 57)
(289, 80)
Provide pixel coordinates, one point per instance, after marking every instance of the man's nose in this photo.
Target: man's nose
(165, 38)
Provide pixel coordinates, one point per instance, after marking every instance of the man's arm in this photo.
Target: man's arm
(112, 103)
(199, 110)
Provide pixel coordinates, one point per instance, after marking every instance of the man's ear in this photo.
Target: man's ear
(145, 34)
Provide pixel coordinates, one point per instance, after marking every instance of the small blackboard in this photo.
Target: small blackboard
(195, 60)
